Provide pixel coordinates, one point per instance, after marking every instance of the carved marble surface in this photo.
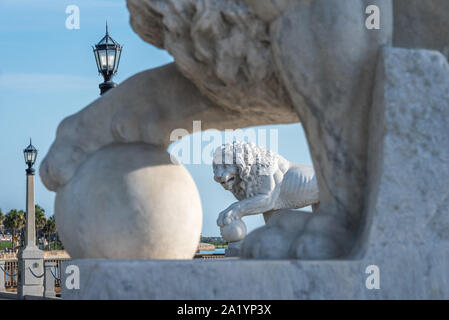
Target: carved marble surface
(246, 63)
(129, 212)
(405, 230)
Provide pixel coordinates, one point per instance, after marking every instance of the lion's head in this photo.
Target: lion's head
(238, 165)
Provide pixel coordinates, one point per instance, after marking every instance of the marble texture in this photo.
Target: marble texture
(225, 279)
(406, 229)
(222, 47)
(329, 75)
(234, 232)
(246, 63)
(129, 212)
(421, 24)
(405, 232)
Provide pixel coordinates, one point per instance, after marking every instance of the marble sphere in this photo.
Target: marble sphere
(235, 231)
(129, 201)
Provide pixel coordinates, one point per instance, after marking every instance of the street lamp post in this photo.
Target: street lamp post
(31, 259)
(107, 55)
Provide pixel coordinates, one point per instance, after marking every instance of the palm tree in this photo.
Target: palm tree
(2, 218)
(40, 219)
(50, 228)
(22, 225)
(14, 221)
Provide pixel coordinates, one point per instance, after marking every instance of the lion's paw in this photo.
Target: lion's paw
(298, 235)
(227, 216)
(323, 238)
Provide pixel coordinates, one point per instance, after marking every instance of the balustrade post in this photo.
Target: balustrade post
(49, 280)
(2, 276)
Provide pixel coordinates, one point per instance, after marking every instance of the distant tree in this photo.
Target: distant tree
(50, 228)
(40, 218)
(2, 217)
(14, 221)
(216, 241)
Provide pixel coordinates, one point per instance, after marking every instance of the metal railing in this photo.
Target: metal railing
(209, 256)
(57, 271)
(11, 273)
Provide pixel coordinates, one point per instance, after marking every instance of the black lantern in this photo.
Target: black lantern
(107, 55)
(30, 154)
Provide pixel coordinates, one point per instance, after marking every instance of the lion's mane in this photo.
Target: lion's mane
(252, 162)
(221, 46)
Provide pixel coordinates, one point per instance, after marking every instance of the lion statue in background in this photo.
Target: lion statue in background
(262, 181)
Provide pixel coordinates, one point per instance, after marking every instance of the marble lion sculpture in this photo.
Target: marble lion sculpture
(262, 181)
(241, 63)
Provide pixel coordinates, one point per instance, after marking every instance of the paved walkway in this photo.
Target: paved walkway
(8, 296)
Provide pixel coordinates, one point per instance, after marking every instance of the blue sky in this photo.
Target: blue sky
(48, 72)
